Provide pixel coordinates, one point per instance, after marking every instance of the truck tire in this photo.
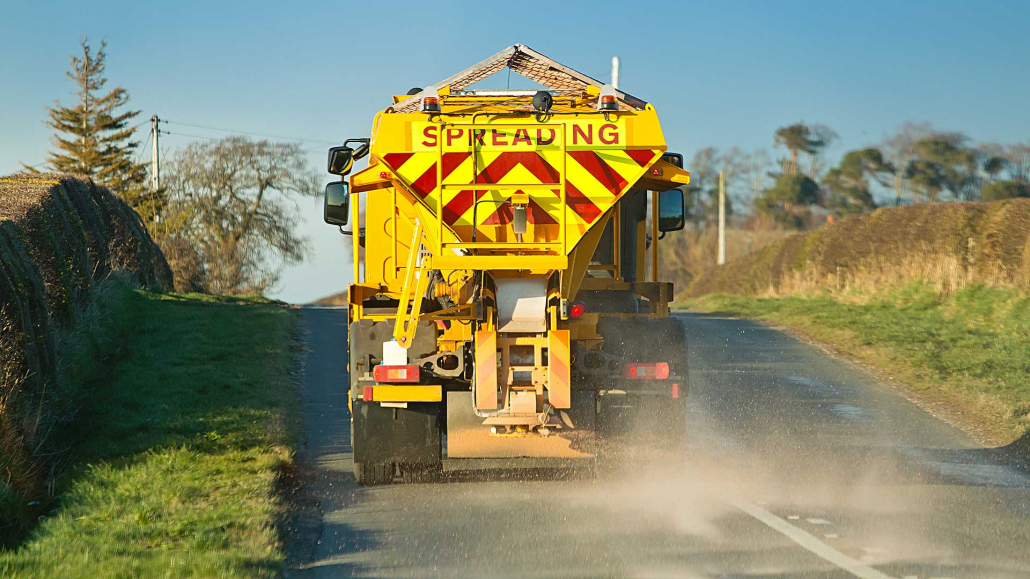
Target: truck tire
(421, 473)
(370, 474)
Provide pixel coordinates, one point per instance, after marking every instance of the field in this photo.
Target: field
(177, 456)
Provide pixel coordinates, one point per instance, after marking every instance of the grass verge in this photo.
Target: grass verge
(965, 356)
(176, 456)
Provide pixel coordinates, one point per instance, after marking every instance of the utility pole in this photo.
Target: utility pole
(722, 218)
(615, 71)
(155, 156)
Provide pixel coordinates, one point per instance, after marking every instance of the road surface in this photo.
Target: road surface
(795, 464)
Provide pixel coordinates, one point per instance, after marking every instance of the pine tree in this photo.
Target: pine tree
(99, 143)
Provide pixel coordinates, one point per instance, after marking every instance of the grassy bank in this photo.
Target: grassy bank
(946, 244)
(965, 355)
(62, 239)
(176, 455)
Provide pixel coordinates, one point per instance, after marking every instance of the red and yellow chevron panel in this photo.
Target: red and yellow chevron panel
(559, 377)
(486, 370)
(598, 169)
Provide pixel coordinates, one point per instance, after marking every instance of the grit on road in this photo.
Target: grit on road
(794, 464)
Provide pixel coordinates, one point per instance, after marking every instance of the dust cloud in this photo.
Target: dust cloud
(865, 503)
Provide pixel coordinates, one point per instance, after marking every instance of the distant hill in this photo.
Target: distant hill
(337, 299)
(947, 244)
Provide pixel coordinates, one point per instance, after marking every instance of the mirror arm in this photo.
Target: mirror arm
(362, 150)
(342, 232)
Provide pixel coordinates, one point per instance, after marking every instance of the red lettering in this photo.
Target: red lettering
(612, 138)
(521, 135)
(540, 137)
(588, 136)
(453, 134)
(497, 142)
(477, 135)
(430, 133)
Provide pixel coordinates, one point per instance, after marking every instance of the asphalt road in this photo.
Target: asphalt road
(794, 464)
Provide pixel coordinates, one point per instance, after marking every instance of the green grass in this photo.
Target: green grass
(176, 456)
(967, 354)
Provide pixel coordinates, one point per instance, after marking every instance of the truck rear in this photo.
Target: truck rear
(507, 301)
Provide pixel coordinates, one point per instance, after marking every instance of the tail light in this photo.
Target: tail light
(577, 310)
(384, 374)
(658, 371)
(675, 390)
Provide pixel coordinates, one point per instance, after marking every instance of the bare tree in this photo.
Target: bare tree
(825, 137)
(757, 163)
(735, 166)
(1017, 159)
(704, 175)
(233, 205)
(899, 150)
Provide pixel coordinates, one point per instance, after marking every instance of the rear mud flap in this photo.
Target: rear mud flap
(642, 417)
(396, 435)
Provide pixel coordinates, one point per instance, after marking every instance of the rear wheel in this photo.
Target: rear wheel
(368, 474)
(421, 473)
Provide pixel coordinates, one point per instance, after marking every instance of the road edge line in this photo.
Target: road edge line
(809, 542)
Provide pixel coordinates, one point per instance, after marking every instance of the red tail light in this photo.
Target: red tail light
(577, 310)
(675, 390)
(396, 374)
(659, 371)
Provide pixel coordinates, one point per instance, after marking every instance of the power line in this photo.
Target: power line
(36, 166)
(139, 153)
(188, 135)
(210, 128)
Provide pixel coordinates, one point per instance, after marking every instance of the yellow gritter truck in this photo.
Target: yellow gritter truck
(507, 301)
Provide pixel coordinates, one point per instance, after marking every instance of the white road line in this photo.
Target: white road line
(810, 542)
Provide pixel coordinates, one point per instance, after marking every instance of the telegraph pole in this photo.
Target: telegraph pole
(722, 217)
(155, 156)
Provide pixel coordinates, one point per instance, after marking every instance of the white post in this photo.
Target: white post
(155, 156)
(722, 217)
(615, 71)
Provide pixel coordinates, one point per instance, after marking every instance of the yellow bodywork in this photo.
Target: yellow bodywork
(489, 186)
(574, 168)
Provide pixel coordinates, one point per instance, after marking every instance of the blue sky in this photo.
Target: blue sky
(719, 73)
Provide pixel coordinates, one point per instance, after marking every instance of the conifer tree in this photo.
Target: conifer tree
(94, 137)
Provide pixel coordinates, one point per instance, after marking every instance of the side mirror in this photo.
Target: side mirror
(336, 207)
(341, 159)
(674, 159)
(671, 210)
